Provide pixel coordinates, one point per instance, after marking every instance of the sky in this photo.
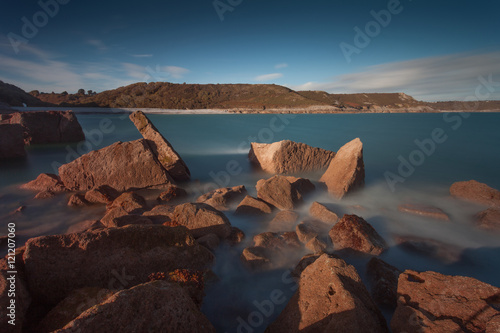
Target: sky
(432, 50)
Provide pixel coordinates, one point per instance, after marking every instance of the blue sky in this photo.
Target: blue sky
(431, 50)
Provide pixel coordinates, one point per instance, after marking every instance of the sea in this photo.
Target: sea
(408, 158)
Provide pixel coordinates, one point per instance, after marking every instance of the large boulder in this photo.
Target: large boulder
(433, 302)
(346, 172)
(287, 157)
(284, 193)
(166, 154)
(11, 141)
(108, 258)
(331, 298)
(354, 233)
(222, 197)
(123, 166)
(157, 306)
(476, 192)
(202, 220)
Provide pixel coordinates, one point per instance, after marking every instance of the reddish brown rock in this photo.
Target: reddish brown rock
(346, 172)
(271, 250)
(157, 306)
(236, 236)
(102, 194)
(210, 241)
(323, 214)
(11, 141)
(307, 230)
(87, 225)
(202, 219)
(131, 202)
(111, 214)
(45, 182)
(304, 262)
(331, 298)
(253, 206)
(433, 302)
(316, 245)
(166, 154)
(444, 252)
(289, 157)
(384, 281)
(425, 211)
(160, 214)
(77, 200)
(8, 282)
(130, 219)
(173, 192)
(45, 195)
(123, 166)
(476, 192)
(284, 193)
(108, 258)
(284, 220)
(488, 219)
(354, 233)
(222, 197)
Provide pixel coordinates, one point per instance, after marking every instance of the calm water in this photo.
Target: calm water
(451, 148)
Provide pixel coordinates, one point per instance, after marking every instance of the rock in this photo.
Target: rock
(77, 200)
(444, 252)
(131, 202)
(323, 214)
(307, 230)
(476, 192)
(433, 302)
(282, 192)
(384, 281)
(157, 306)
(202, 219)
(253, 206)
(11, 141)
(284, 220)
(331, 298)
(271, 250)
(289, 157)
(304, 262)
(210, 241)
(346, 172)
(45, 182)
(353, 232)
(124, 220)
(160, 214)
(22, 296)
(123, 166)
(166, 154)
(488, 219)
(425, 211)
(102, 194)
(222, 197)
(45, 195)
(173, 192)
(315, 245)
(236, 236)
(72, 306)
(108, 258)
(87, 225)
(111, 214)
(277, 241)
(40, 127)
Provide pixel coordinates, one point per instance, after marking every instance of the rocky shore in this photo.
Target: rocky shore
(145, 264)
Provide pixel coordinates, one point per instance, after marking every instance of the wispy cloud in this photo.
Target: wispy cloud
(268, 77)
(98, 44)
(282, 65)
(176, 72)
(451, 77)
(141, 55)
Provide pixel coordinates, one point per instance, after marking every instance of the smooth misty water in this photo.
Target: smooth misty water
(214, 146)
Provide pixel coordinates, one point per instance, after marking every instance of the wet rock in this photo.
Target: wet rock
(289, 157)
(108, 258)
(168, 157)
(222, 197)
(77, 200)
(253, 206)
(103, 194)
(488, 219)
(202, 219)
(236, 236)
(354, 233)
(284, 220)
(424, 211)
(384, 280)
(323, 214)
(173, 192)
(123, 166)
(210, 241)
(447, 253)
(45, 182)
(476, 192)
(433, 302)
(168, 309)
(87, 225)
(284, 193)
(11, 141)
(331, 298)
(131, 202)
(346, 172)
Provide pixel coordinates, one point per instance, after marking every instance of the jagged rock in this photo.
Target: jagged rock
(160, 214)
(476, 192)
(111, 214)
(11, 141)
(315, 245)
(331, 298)
(425, 211)
(253, 206)
(157, 306)
(45, 195)
(346, 172)
(102, 194)
(87, 225)
(384, 280)
(222, 197)
(354, 233)
(304, 262)
(166, 154)
(123, 166)
(488, 219)
(320, 212)
(433, 302)
(307, 230)
(202, 219)
(108, 258)
(45, 182)
(444, 252)
(173, 192)
(284, 220)
(131, 202)
(284, 193)
(289, 157)
(236, 236)
(77, 200)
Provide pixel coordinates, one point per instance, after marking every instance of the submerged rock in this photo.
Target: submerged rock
(11, 141)
(424, 211)
(444, 252)
(271, 250)
(286, 157)
(476, 192)
(346, 172)
(284, 220)
(222, 197)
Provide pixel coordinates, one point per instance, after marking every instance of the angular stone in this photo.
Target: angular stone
(236, 236)
(173, 192)
(160, 214)
(77, 200)
(102, 194)
(45, 182)
(222, 197)
(253, 206)
(284, 220)
(202, 219)
(284, 193)
(131, 202)
(476, 192)
(320, 212)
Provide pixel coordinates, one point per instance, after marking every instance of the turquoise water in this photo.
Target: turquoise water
(453, 147)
